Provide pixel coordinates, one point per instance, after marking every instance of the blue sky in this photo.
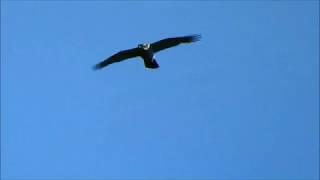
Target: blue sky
(243, 103)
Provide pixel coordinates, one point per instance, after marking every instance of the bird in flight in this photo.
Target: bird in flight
(147, 51)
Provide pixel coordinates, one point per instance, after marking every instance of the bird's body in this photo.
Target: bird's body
(148, 56)
(147, 51)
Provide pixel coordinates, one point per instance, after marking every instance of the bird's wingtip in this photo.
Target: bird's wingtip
(96, 67)
(196, 37)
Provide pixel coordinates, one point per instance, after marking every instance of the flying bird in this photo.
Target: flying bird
(147, 51)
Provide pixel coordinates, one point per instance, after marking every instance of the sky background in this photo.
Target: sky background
(242, 103)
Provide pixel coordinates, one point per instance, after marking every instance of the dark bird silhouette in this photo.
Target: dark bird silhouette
(147, 51)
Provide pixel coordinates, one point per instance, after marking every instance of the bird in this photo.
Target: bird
(147, 51)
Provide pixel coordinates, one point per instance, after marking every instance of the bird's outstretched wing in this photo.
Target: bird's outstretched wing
(170, 42)
(118, 57)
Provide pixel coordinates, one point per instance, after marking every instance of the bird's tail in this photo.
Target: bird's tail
(152, 65)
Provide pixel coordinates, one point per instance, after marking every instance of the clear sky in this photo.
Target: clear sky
(242, 103)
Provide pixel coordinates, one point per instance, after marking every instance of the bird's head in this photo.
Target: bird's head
(144, 46)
